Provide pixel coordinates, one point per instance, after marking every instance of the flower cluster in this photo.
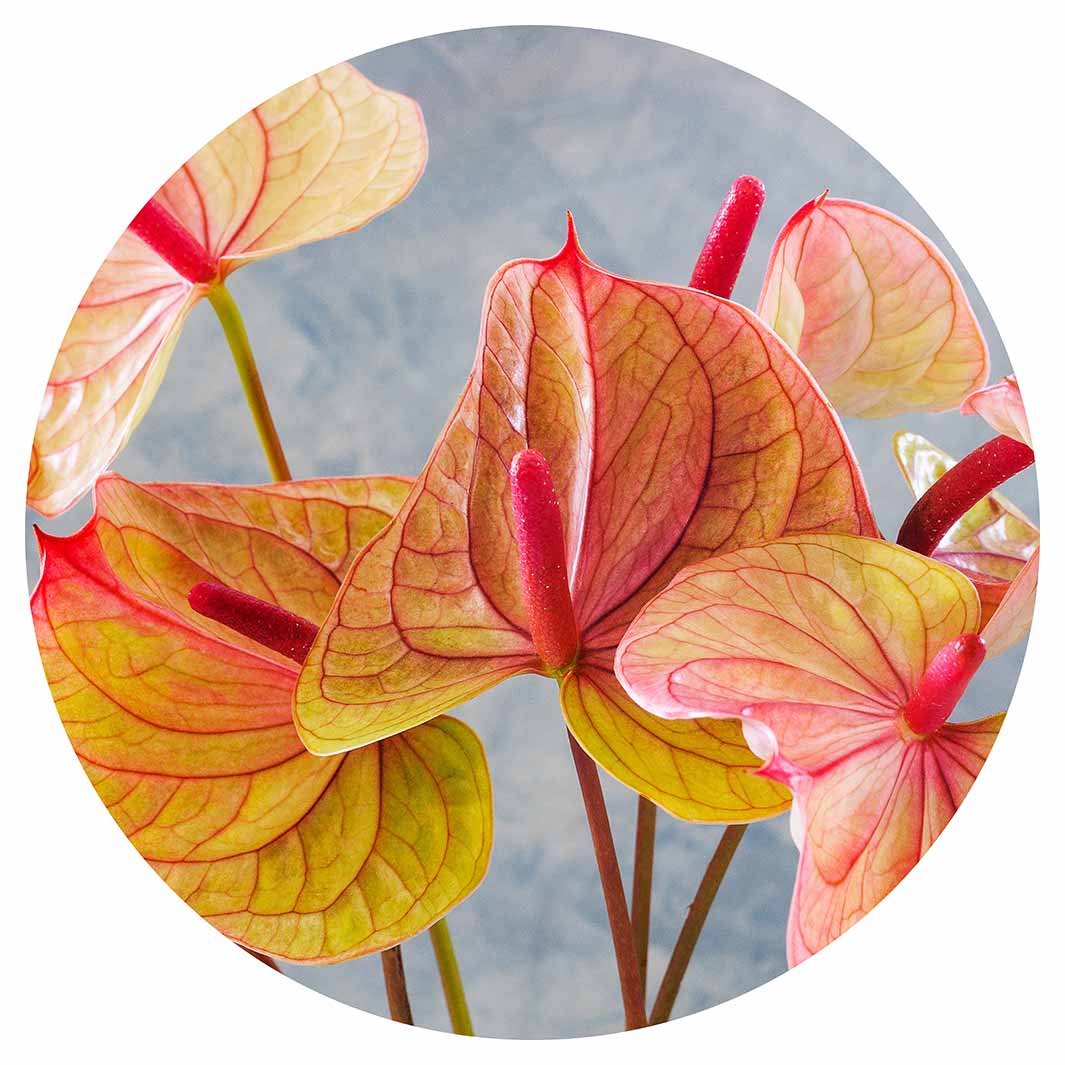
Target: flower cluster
(644, 493)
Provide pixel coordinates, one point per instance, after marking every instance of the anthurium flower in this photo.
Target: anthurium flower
(990, 543)
(671, 424)
(321, 158)
(844, 657)
(874, 309)
(185, 727)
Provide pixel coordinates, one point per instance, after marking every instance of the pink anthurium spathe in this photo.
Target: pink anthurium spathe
(669, 424)
(874, 309)
(184, 726)
(323, 157)
(1001, 406)
(844, 657)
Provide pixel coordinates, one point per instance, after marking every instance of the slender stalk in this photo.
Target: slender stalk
(642, 874)
(451, 978)
(693, 923)
(959, 489)
(240, 346)
(396, 985)
(617, 910)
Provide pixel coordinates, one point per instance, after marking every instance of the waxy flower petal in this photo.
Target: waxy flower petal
(674, 425)
(817, 644)
(1000, 405)
(185, 729)
(874, 309)
(1013, 617)
(990, 544)
(321, 158)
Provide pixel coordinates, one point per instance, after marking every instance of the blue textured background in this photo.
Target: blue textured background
(364, 343)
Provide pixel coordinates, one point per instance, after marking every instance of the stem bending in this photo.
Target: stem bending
(613, 889)
(240, 346)
(693, 923)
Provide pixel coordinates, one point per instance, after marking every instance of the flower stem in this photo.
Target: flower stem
(959, 489)
(240, 346)
(693, 923)
(396, 986)
(450, 978)
(613, 889)
(642, 874)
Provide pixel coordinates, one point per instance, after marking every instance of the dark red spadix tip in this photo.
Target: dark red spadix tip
(959, 489)
(163, 233)
(542, 561)
(730, 235)
(943, 684)
(270, 625)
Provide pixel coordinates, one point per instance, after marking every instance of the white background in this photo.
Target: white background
(962, 108)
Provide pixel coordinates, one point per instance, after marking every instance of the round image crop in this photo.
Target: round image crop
(520, 533)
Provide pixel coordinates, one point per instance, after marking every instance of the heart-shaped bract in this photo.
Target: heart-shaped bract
(874, 309)
(321, 158)
(843, 657)
(674, 425)
(185, 727)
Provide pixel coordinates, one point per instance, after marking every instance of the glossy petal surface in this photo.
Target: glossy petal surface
(321, 158)
(910, 792)
(674, 425)
(816, 644)
(990, 544)
(874, 309)
(107, 372)
(698, 770)
(185, 728)
(1000, 405)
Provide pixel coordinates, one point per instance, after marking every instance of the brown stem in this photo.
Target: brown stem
(959, 489)
(693, 923)
(396, 985)
(617, 910)
(642, 874)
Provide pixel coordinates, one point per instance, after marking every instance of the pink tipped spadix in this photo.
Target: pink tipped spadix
(944, 683)
(542, 560)
(165, 235)
(961, 488)
(719, 262)
(270, 625)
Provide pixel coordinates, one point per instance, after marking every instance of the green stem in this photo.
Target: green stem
(240, 346)
(642, 873)
(617, 909)
(451, 978)
(693, 923)
(396, 985)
